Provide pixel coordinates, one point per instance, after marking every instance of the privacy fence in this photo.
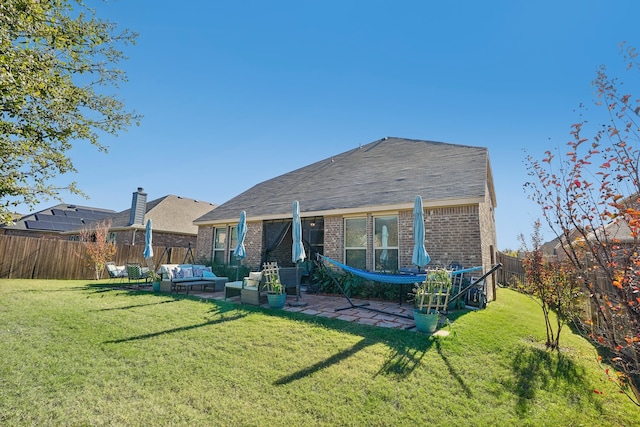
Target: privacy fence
(511, 270)
(37, 258)
(34, 258)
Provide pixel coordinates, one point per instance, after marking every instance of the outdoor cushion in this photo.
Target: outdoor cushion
(198, 270)
(253, 280)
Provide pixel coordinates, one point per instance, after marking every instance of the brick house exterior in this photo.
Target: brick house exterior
(375, 182)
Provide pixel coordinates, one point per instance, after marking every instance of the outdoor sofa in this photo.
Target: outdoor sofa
(176, 277)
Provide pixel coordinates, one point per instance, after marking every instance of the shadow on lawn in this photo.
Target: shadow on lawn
(406, 348)
(222, 319)
(537, 369)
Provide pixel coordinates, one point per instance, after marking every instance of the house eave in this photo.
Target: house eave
(349, 211)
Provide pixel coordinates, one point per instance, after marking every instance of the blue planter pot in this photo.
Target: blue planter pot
(276, 300)
(156, 286)
(425, 322)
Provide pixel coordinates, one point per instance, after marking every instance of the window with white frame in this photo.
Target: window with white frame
(385, 243)
(355, 242)
(219, 244)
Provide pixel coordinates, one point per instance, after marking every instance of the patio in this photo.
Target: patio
(325, 306)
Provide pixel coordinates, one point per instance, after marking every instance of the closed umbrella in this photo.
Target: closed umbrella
(240, 253)
(297, 248)
(148, 249)
(420, 256)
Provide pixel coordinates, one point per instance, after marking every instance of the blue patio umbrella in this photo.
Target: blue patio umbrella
(297, 248)
(420, 256)
(148, 249)
(239, 252)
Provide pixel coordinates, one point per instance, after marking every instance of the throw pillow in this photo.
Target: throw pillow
(197, 271)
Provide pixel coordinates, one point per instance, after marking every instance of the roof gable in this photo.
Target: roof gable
(389, 171)
(172, 214)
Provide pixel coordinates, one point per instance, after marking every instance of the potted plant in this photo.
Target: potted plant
(429, 297)
(275, 292)
(155, 280)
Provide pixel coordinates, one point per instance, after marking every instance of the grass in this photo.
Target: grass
(80, 353)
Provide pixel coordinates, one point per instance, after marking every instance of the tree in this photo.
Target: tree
(57, 61)
(553, 285)
(590, 198)
(98, 248)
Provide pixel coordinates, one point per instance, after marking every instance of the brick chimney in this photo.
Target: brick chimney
(138, 207)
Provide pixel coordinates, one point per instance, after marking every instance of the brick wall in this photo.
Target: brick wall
(204, 247)
(334, 237)
(159, 239)
(465, 234)
(253, 245)
(489, 241)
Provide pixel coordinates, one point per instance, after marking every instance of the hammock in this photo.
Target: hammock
(398, 279)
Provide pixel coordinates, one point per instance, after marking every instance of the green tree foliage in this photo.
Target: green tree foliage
(57, 64)
(590, 198)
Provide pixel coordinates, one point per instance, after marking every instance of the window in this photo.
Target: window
(233, 242)
(219, 244)
(385, 243)
(355, 242)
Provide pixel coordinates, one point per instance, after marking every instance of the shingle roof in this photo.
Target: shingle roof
(173, 214)
(389, 171)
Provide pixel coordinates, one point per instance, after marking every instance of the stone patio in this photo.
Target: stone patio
(325, 306)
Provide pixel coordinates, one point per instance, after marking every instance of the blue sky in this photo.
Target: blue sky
(237, 92)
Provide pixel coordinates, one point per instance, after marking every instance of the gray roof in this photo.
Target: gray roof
(388, 172)
(60, 218)
(171, 214)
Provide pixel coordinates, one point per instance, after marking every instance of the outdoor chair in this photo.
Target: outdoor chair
(253, 281)
(136, 272)
(253, 288)
(116, 271)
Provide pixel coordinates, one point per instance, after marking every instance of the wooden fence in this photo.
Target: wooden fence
(38, 258)
(511, 270)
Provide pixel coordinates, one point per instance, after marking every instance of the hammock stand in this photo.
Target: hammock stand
(397, 279)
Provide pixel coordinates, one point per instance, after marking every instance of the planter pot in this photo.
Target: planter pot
(156, 286)
(276, 300)
(425, 322)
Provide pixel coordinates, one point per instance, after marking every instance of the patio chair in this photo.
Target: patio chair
(136, 272)
(116, 272)
(253, 288)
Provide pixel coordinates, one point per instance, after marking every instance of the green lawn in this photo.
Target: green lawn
(80, 353)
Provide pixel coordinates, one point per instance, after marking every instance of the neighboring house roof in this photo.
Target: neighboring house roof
(60, 218)
(170, 214)
(388, 173)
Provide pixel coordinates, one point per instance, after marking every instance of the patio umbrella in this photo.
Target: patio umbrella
(420, 256)
(148, 249)
(297, 248)
(240, 252)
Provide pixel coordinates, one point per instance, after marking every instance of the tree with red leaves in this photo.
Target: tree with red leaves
(98, 249)
(590, 198)
(552, 284)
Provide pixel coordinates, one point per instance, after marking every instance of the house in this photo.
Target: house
(54, 222)
(358, 205)
(171, 216)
